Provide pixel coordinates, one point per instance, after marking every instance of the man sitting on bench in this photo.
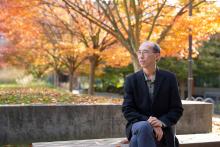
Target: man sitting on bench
(152, 104)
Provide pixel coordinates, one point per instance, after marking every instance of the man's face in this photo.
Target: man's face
(146, 55)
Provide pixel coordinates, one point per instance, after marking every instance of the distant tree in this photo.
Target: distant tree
(114, 76)
(208, 61)
(179, 67)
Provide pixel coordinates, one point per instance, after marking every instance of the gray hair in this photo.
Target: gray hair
(154, 46)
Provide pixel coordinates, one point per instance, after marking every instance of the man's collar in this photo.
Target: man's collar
(153, 77)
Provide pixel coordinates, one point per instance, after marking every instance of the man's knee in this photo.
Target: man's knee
(142, 126)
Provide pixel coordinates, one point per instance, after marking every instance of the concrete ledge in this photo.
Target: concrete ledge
(191, 140)
(197, 118)
(21, 124)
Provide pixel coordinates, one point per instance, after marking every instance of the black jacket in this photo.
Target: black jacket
(166, 105)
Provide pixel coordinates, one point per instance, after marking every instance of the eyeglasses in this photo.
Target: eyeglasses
(144, 52)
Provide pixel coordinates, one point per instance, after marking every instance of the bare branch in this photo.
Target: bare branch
(181, 12)
(155, 19)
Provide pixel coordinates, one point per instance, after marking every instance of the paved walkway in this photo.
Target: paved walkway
(109, 95)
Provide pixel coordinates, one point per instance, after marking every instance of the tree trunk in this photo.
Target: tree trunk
(193, 86)
(55, 79)
(70, 82)
(182, 89)
(135, 63)
(93, 64)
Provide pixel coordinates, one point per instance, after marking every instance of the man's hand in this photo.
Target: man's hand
(158, 133)
(157, 126)
(155, 122)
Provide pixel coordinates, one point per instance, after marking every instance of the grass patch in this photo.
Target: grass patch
(31, 84)
(20, 145)
(47, 94)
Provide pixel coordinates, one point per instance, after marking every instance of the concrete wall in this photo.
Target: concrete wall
(37, 123)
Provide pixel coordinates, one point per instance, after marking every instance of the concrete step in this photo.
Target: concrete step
(189, 140)
(199, 140)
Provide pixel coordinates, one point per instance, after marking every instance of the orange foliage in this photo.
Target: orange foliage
(116, 56)
(22, 24)
(203, 23)
(19, 26)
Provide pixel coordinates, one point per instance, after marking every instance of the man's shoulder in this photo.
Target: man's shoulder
(162, 72)
(166, 73)
(134, 75)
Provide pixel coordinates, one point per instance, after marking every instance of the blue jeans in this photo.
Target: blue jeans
(143, 136)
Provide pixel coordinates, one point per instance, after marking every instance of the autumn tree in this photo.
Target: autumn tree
(101, 47)
(63, 51)
(51, 36)
(19, 28)
(4, 49)
(39, 45)
(131, 22)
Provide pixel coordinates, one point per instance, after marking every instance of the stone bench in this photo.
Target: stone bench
(189, 140)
